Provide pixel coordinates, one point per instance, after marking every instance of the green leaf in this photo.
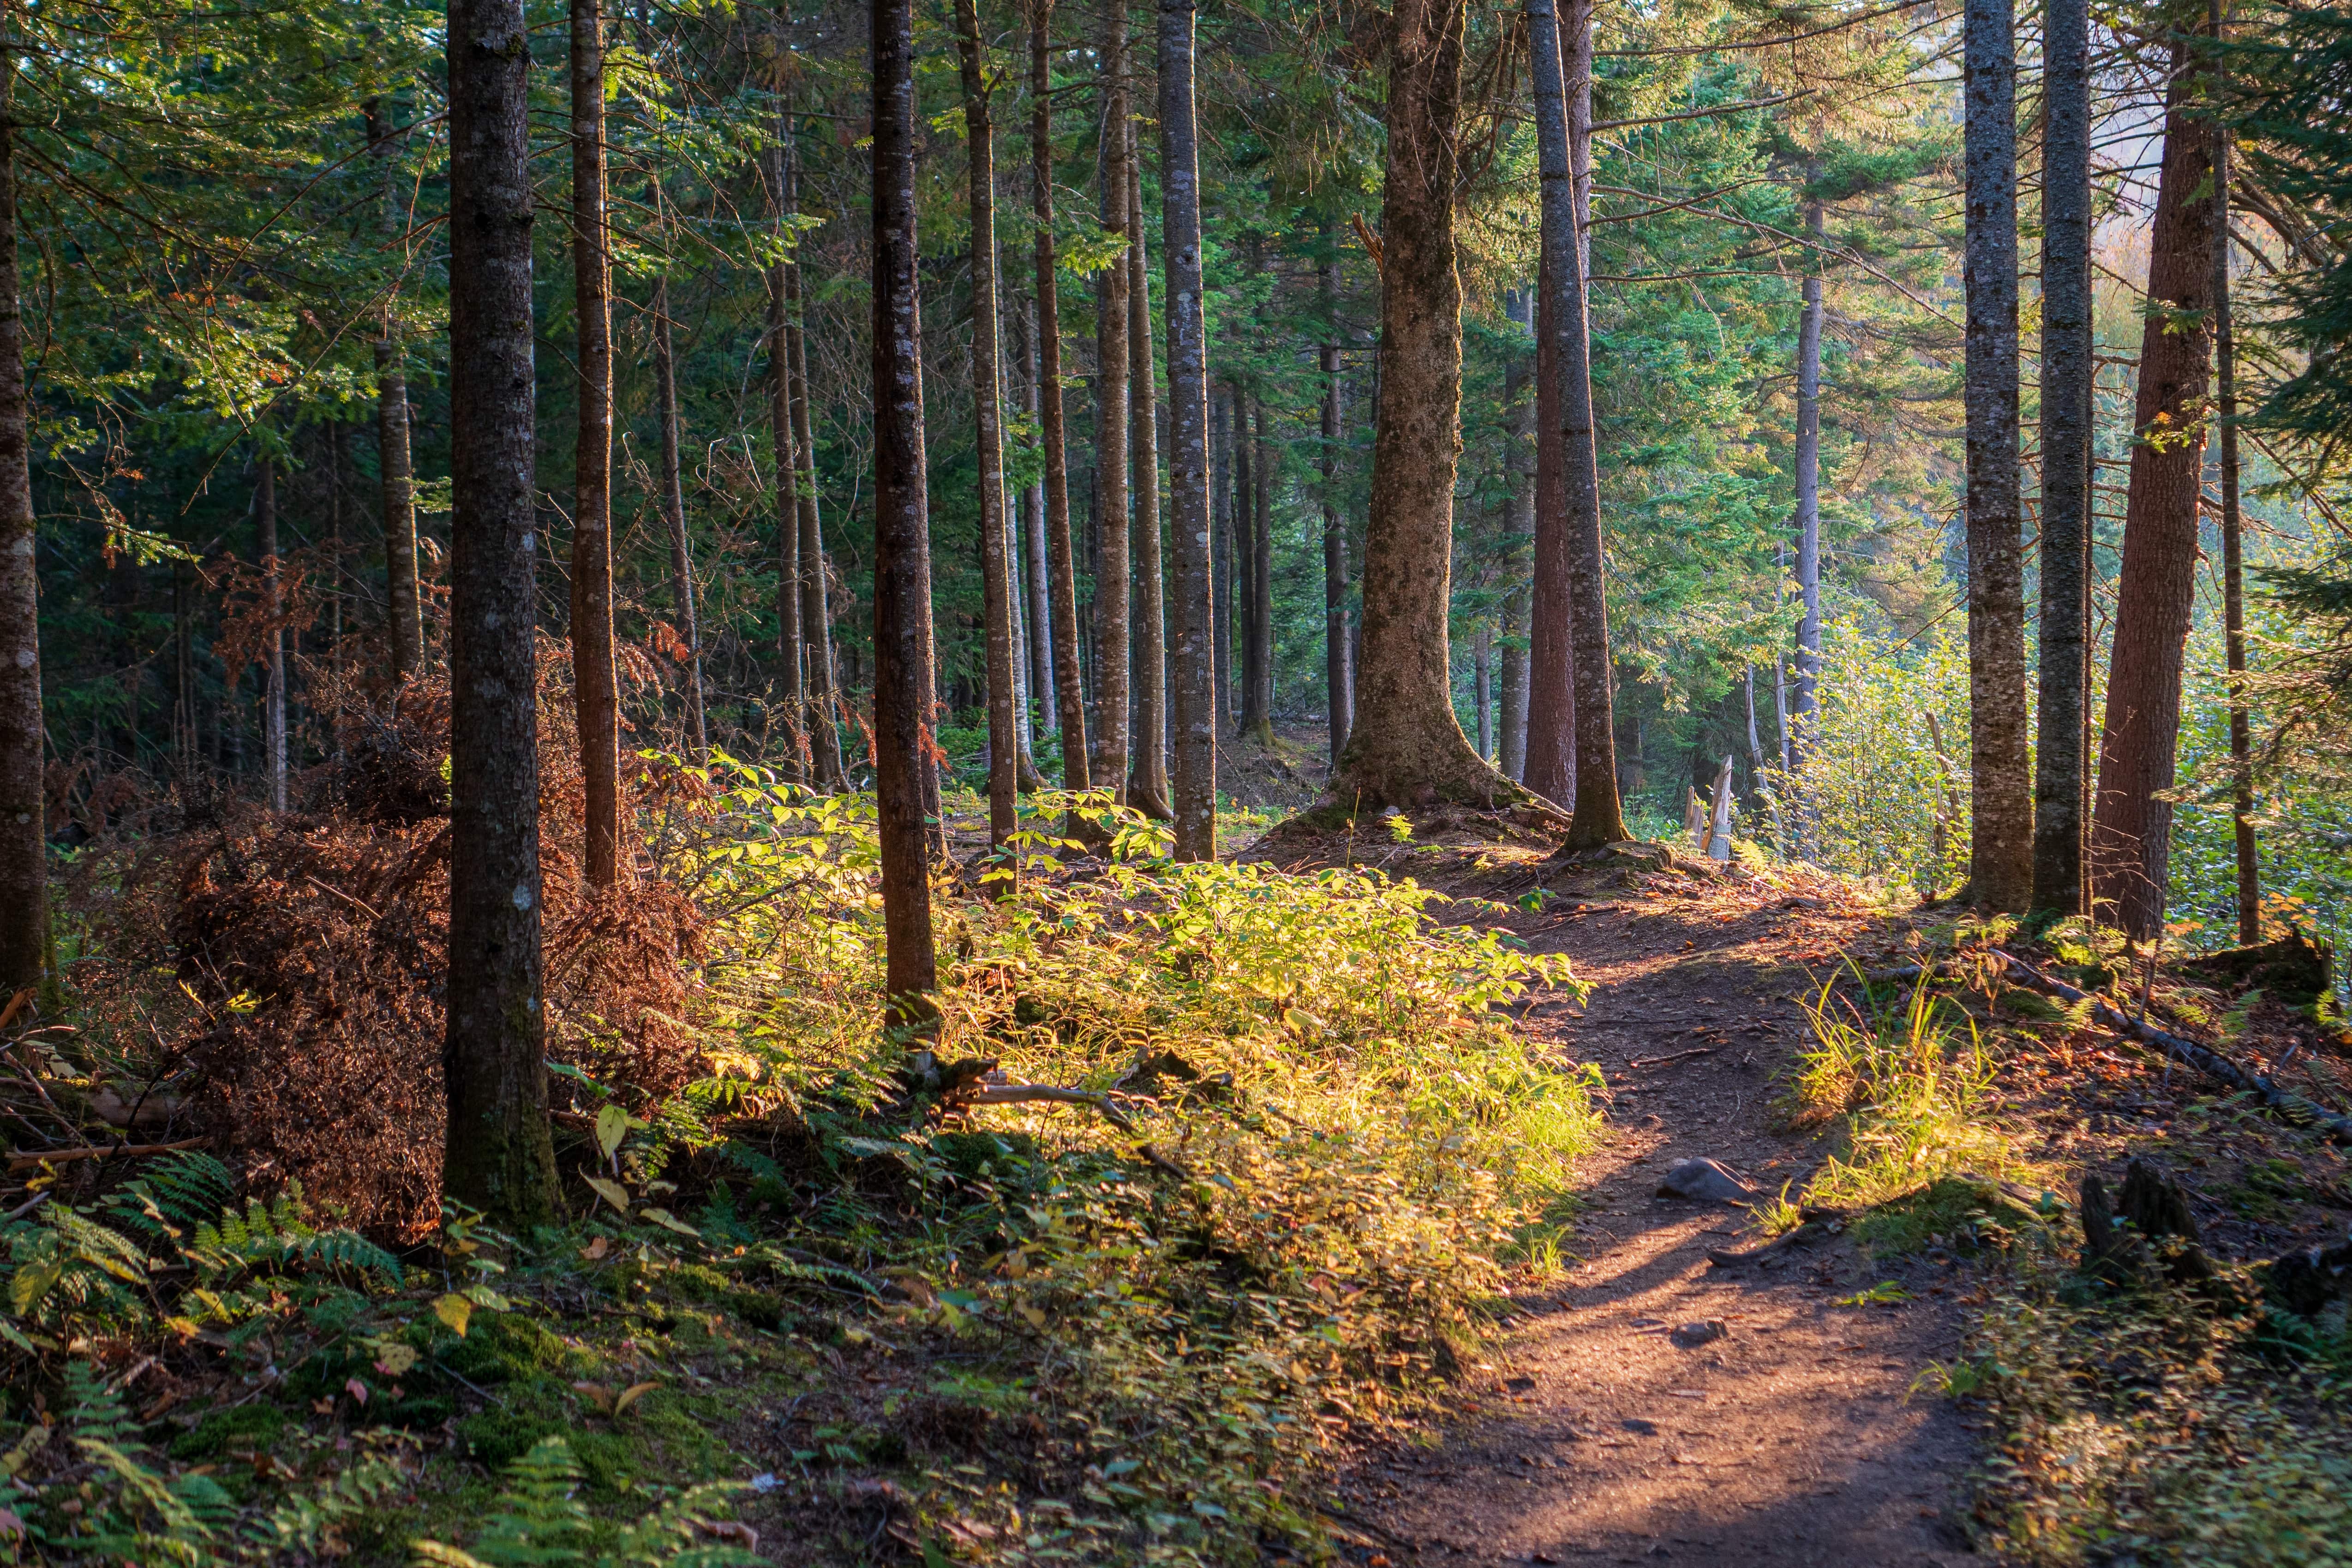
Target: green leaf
(611, 1126)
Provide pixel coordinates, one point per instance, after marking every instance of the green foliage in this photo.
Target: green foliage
(538, 1520)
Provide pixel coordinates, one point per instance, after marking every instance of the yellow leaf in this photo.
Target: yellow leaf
(598, 1395)
(455, 1311)
(631, 1395)
(612, 1192)
(669, 1221)
(611, 1126)
(393, 1357)
(1035, 1319)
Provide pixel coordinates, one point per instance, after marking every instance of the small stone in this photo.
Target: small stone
(1636, 1424)
(1690, 1336)
(1704, 1181)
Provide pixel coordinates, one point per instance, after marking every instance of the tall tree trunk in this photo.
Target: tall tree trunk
(1549, 766)
(500, 1156)
(1193, 667)
(1241, 551)
(404, 611)
(595, 683)
(817, 678)
(24, 863)
(789, 644)
(1517, 480)
(2233, 563)
(1338, 671)
(2069, 373)
(1407, 748)
(1148, 791)
(273, 648)
(987, 397)
(1220, 535)
(2001, 846)
(1041, 577)
(902, 680)
(1809, 474)
(1112, 650)
(673, 505)
(1257, 701)
(1069, 685)
(1598, 814)
(2132, 830)
(1482, 686)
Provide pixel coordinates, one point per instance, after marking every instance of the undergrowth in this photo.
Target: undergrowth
(1292, 1137)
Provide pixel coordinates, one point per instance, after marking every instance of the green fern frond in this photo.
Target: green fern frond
(540, 1521)
(342, 1249)
(93, 1408)
(300, 1524)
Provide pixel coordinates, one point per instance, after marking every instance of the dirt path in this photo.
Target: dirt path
(1598, 1433)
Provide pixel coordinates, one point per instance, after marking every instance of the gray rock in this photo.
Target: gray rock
(1704, 1181)
(1690, 1336)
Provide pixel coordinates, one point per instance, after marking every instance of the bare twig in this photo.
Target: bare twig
(1678, 1056)
(98, 1152)
(1020, 1093)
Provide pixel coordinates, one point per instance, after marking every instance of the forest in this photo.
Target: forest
(989, 781)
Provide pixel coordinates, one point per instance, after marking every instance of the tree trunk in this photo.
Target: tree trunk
(1257, 701)
(2233, 564)
(1338, 672)
(1808, 478)
(2069, 373)
(987, 398)
(1223, 569)
(789, 644)
(499, 1157)
(1549, 767)
(405, 608)
(673, 505)
(902, 681)
(817, 677)
(595, 683)
(1148, 789)
(1041, 577)
(24, 863)
(1068, 682)
(1407, 748)
(1482, 686)
(1193, 669)
(1112, 650)
(2131, 831)
(1241, 549)
(2001, 847)
(1521, 521)
(273, 646)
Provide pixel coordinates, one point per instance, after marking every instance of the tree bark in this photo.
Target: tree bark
(1112, 564)
(1223, 569)
(1147, 789)
(1338, 670)
(1194, 668)
(1257, 701)
(2234, 561)
(273, 646)
(1407, 748)
(2069, 374)
(2000, 845)
(1041, 577)
(902, 681)
(1521, 517)
(500, 1156)
(1241, 550)
(1549, 766)
(595, 683)
(404, 610)
(790, 643)
(817, 676)
(1809, 480)
(673, 505)
(1482, 686)
(2131, 830)
(987, 398)
(1068, 682)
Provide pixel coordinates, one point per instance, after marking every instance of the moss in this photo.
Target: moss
(504, 1345)
(246, 1428)
(499, 1435)
(1965, 1215)
(710, 1288)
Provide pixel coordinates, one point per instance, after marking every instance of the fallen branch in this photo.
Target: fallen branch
(1678, 1056)
(97, 1152)
(1021, 1093)
(2211, 1063)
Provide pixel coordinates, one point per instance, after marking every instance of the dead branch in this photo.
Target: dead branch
(97, 1152)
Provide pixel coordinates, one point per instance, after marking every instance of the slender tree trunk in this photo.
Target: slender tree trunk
(789, 644)
(673, 504)
(1222, 564)
(1194, 668)
(1112, 563)
(2069, 373)
(24, 854)
(1482, 686)
(500, 1156)
(595, 683)
(1809, 476)
(1257, 703)
(1407, 748)
(273, 648)
(2233, 564)
(1041, 577)
(817, 677)
(1338, 671)
(1241, 550)
(1069, 685)
(1521, 518)
(1149, 788)
(1549, 767)
(902, 681)
(338, 458)
(2132, 829)
(404, 611)
(987, 397)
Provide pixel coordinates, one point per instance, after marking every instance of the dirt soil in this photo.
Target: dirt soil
(1608, 1426)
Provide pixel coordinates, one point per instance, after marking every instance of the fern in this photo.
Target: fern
(174, 1193)
(301, 1522)
(267, 1233)
(540, 1519)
